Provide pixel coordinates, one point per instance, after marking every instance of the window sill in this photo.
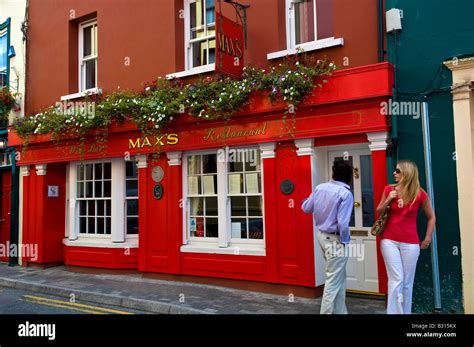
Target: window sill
(92, 91)
(308, 47)
(101, 243)
(193, 71)
(234, 250)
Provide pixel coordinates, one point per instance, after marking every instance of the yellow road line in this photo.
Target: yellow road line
(61, 306)
(71, 304)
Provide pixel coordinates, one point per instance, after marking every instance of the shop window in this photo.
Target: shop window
(224, 200)
(131, 197)
(102, 201)
(246, 202)
(202, 195)
(94, 187)
(200, 33)
(88, 55)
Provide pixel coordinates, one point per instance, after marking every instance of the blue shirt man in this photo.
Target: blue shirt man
(332, 205)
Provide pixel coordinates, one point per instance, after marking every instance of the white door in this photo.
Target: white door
(362, 264)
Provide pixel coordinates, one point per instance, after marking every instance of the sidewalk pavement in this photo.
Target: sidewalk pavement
(165, 297)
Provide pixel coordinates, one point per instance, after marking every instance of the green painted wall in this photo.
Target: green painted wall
(433, 31)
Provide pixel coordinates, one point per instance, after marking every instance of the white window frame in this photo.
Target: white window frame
(118, 236)
(291, 46)
(291, 23)
(223, 244)
(236, 242)
(77, 219)
(211, 241)
(189, 70)
(94, 56)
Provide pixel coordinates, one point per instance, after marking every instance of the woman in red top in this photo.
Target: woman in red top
(400, 244)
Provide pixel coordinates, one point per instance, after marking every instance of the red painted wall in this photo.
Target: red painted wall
(294, 228)
(106, 258)
(43, 216)
(151, 34)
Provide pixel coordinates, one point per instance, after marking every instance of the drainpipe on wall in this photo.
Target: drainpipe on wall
(393, 148)
(381, 48)
(429, 186)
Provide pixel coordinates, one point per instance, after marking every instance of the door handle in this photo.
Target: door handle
(356, 204)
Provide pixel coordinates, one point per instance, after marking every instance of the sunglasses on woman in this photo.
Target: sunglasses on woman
(398, 171)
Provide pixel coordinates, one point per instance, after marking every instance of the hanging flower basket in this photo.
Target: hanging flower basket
(7, 103)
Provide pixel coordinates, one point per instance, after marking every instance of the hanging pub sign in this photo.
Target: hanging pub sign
(229, 47)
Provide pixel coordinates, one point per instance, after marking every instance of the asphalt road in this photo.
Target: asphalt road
(14, 301)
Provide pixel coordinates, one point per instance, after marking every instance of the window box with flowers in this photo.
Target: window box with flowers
(283, 86)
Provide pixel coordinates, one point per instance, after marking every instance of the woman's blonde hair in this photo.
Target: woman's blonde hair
(409, 183)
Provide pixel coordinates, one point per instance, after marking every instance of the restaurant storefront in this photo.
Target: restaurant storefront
(218, 198)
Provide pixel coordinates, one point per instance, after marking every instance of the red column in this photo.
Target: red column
(378, 147)
(174, 209)
(39, 199)
(294, 228)
(305, 154)
(269, 202)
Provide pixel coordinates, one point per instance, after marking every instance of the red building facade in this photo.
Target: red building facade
(185, 211)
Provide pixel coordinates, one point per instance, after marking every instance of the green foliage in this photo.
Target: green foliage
(7, 102)
(214, 97)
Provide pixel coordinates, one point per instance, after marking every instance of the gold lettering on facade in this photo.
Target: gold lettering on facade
(229, 132)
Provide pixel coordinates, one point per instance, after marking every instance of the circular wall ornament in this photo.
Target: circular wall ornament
(157, 174)
(287, 187)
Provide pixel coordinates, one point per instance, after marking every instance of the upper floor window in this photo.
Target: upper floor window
(3, 58)
(308, 21)
(88, 55)
(200, 33)
(309, 26)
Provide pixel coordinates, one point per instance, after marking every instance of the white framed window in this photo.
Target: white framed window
(94, 198)
(103, 202)
(88, 55)
(308, 26)
(200, 33)
(244, 178)
(223, 197)
(202, 196)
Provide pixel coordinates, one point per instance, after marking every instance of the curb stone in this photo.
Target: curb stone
(100, 298)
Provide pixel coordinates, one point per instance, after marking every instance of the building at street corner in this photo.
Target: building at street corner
(431, 54)
(186, 211)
